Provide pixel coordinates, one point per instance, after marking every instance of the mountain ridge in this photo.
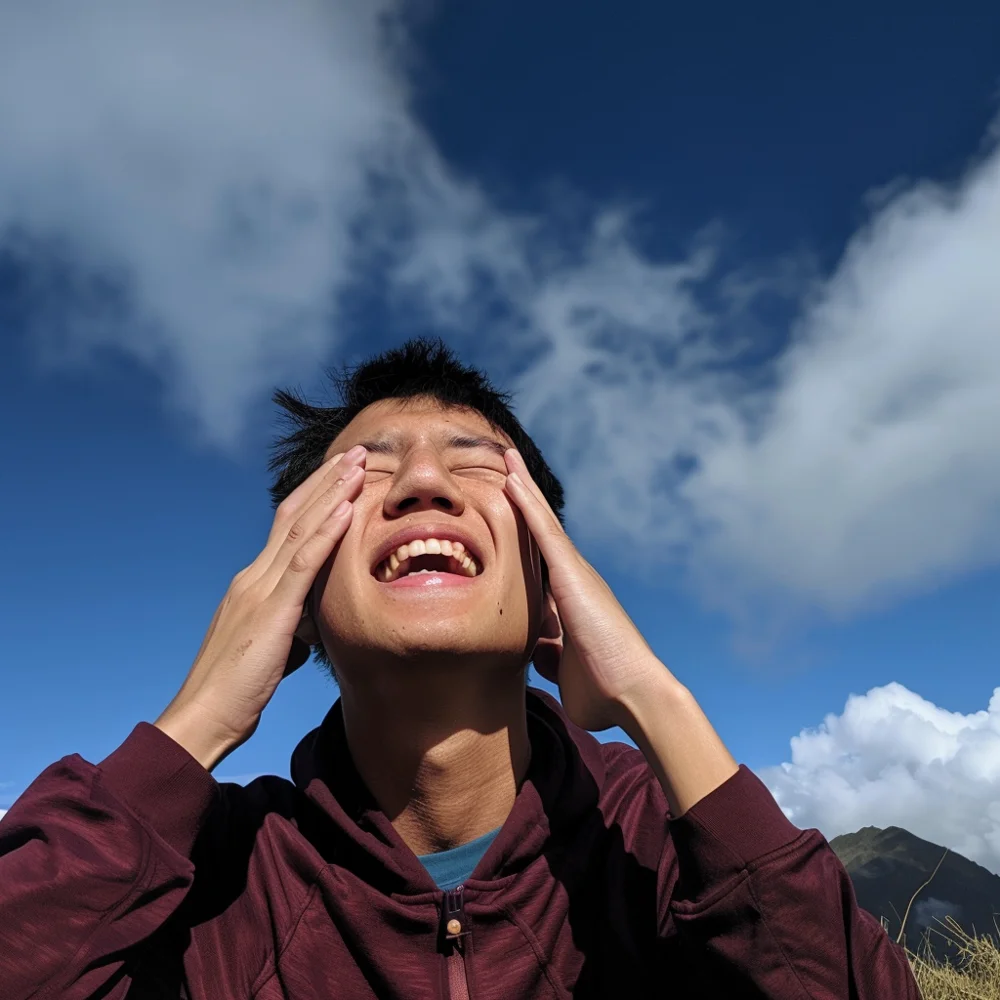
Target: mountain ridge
(888, 865)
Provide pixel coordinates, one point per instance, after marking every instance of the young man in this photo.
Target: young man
(448, 832)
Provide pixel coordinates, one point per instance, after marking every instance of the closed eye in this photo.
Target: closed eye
(479, 470)
(474, 471)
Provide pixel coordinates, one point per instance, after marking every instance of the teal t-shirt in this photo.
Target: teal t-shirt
(452, 867)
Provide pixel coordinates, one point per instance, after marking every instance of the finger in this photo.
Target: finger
(313, 517)
(515, 463)
(311, 487)
(547, 532)
(292, 587)
(299, 498)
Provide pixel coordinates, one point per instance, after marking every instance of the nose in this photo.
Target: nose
(423, 482)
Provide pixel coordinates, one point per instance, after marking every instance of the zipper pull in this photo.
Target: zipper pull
(453, 914)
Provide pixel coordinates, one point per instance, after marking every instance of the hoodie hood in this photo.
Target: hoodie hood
(560, 788)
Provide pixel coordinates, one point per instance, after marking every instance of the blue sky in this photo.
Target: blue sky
(739, 270)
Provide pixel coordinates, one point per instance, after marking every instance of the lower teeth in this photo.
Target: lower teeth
(388, 575)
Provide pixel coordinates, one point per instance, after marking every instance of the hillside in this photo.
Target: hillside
(887, 866)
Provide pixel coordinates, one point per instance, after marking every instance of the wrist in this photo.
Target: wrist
(189, 728)
(643, 707)
(667, 724)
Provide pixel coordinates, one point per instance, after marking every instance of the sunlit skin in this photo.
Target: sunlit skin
(432, 670)
(432, 676)
(487, 623)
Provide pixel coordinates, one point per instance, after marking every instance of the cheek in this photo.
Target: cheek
(342, 615)
(531, 567)
(331, 600)
(522, 567)
(339, 581)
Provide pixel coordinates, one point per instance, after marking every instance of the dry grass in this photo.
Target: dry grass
(973, 974)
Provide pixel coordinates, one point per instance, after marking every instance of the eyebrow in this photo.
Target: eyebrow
(460, 441)
(392, 445)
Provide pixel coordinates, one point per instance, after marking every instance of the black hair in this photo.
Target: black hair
(421, 367)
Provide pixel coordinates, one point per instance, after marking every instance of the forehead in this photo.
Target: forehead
(404, 422)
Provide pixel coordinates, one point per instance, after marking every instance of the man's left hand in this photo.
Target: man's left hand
(607, 674)
(606, 665)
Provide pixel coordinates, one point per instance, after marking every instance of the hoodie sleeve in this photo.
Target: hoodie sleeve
(770, 910)
(93, 860)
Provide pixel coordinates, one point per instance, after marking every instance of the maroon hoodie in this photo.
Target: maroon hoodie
(144, 877)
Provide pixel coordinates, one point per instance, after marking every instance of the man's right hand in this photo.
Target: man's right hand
(251, 643)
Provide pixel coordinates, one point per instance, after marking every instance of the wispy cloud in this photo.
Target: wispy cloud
(204, 161)
(892, 758)
(862, 466)
(932, 913)
(231, 168)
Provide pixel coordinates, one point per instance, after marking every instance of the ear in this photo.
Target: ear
(307, 630)
(549, 648)
(306, 636)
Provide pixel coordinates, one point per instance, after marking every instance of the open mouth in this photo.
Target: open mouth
(427, 555)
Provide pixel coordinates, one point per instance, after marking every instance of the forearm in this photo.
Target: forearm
(769, 909)
(94, 859)
(737, 849)
(680, 744)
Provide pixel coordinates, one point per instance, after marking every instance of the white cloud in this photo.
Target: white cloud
(214, 154)
(3, 812)
(867, 468)
(893, 758)
(239, 162)
(932, 913)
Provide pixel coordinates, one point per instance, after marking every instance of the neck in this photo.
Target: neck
(443, 755)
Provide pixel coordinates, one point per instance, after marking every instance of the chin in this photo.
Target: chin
(428, 648)
(463, 625)
(420, 640)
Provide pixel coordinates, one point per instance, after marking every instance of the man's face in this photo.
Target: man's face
(466, 587)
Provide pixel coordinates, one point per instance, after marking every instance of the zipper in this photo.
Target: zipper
(456, 929)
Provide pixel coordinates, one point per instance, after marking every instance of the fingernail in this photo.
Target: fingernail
(342, 508)
(355, 453)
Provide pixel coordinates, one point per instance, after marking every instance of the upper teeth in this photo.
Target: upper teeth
(397, 564)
